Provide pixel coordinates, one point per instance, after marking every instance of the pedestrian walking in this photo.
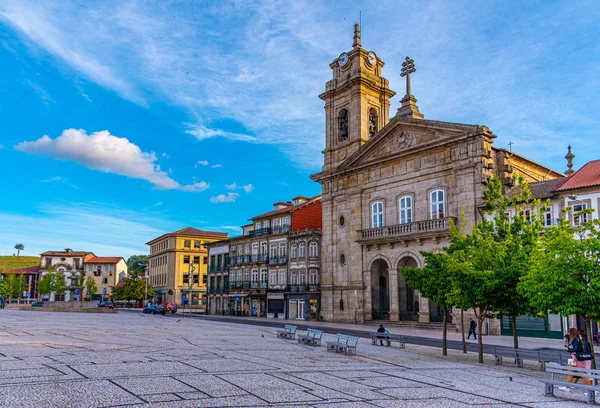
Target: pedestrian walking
(2, 302)
(383, 330)
(581, 356)
(472, 327)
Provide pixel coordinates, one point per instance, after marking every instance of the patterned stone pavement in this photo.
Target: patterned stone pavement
(135, 360)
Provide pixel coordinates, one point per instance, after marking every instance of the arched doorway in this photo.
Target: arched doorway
(408, 298)
(380, 281)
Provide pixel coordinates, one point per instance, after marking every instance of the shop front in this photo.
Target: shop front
(239, 304)
(276, 305)
(303, 306)
(258, 306)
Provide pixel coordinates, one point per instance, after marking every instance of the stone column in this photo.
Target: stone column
(423, 310)
(367, 297)
(393, 291)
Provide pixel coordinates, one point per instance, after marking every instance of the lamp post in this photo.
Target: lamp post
(191, 283)
(146, 290)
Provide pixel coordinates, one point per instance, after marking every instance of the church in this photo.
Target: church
(390, 186)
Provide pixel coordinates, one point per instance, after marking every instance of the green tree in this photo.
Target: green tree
(52, 281)
(19, 248)
(91, 287)
(434, 282)
(565, 271)
(517, 236)
(137, 262)
(13, 286)
(133, 288)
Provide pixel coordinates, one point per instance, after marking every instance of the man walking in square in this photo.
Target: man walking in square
(472, 327)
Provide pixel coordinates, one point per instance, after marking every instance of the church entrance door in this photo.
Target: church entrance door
(380, 290)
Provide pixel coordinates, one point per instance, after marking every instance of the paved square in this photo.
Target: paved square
(135, 360)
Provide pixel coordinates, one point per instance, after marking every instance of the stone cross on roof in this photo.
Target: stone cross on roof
(408, 67)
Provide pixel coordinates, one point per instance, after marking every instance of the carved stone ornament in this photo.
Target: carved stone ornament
(404, 139)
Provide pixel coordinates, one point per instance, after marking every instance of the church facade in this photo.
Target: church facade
(390, 186)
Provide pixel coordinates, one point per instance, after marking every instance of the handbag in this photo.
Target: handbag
(584, 355)
(572, 362)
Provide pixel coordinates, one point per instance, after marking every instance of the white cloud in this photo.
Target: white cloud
(53, 180)
(202, 133)
(106, 153)
(108, 230)
(166, 156)
(248, 188)
(217, 166)
(222, 198)
(232, 186)
(201, 163)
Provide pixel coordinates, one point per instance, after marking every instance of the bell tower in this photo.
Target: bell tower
(357, 102)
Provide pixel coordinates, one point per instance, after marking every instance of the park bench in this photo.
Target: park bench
(344, 343)
(547, 356)
(288, 332)
(503, 352)
(312, 337)
(555, 369)
(387, 337)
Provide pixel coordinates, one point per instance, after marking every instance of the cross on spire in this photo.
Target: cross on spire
(510, 146)
(408, 67)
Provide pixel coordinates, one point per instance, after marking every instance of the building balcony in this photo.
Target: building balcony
(280, 229)
(297, 288)
(313, 288)
(263, 258)
(403, 232)
(273, 260)
(260, 232)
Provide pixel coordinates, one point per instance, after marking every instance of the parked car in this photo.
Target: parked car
(155, 309)
(37, 304)
(170, 307)
(110, 305)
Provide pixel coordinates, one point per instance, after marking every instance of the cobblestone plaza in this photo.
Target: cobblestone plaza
(135, 360)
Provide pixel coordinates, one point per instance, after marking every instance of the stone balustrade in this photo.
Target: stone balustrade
(408, 229)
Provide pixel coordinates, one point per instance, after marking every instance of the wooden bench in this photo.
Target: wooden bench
(387, 337)
(344, 343)
(311, 338)
(288, 332)
(555, 369)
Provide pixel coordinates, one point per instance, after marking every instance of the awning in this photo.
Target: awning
(237, 294)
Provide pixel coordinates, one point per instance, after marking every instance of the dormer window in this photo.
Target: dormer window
(372, 122)
(343, 125)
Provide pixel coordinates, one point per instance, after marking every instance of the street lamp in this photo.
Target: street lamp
(146, 290)
(191, 283)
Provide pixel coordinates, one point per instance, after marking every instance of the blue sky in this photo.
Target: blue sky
(120, 121)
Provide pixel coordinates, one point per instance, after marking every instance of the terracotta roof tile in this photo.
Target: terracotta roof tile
(587, 176)
(19, 271)
(105, 259)
(288, 209)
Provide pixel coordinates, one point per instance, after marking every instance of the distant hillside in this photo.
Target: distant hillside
(16, 262)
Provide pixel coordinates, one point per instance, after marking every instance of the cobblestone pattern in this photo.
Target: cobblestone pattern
(135, 360)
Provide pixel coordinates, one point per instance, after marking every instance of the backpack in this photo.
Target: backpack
(586, 351)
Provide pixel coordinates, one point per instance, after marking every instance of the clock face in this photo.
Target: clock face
(343, 59)
(372, 58)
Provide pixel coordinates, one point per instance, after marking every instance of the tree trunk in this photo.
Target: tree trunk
(444, 345)
(462, 329)
(515, 335)
(588, 330)
(479, 340)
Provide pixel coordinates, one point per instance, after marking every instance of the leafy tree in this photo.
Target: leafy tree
(137, 262)
(51, 282)
(19, 248)
(433, 282)
(517, 236)
(133, 288)
(91, 287)
(13, 285)
(565, 271)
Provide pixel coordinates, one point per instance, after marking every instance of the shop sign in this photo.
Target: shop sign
(275, 295)
(314, 301)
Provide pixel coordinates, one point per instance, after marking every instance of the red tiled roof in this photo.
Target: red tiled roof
(105, 259)
(287, 209)
(587, 176)
(29, 270)
(191, 232)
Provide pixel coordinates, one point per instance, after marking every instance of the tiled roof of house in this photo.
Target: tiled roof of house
(19, 271)
(587, 176)
(287, 209)
(545, 189)
(105, 259)
(66, 254)
(192, 232)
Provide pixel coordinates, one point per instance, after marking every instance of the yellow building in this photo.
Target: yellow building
(174, 259)
(106, 271)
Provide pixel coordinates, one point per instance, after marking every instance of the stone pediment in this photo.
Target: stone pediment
(406, 136)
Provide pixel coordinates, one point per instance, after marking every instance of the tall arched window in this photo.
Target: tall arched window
(302, 250)
(372, 122)
(343, 125)
(377, 214)
(313, 250)
(294, 251)
(406, 210)
(438, 208)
